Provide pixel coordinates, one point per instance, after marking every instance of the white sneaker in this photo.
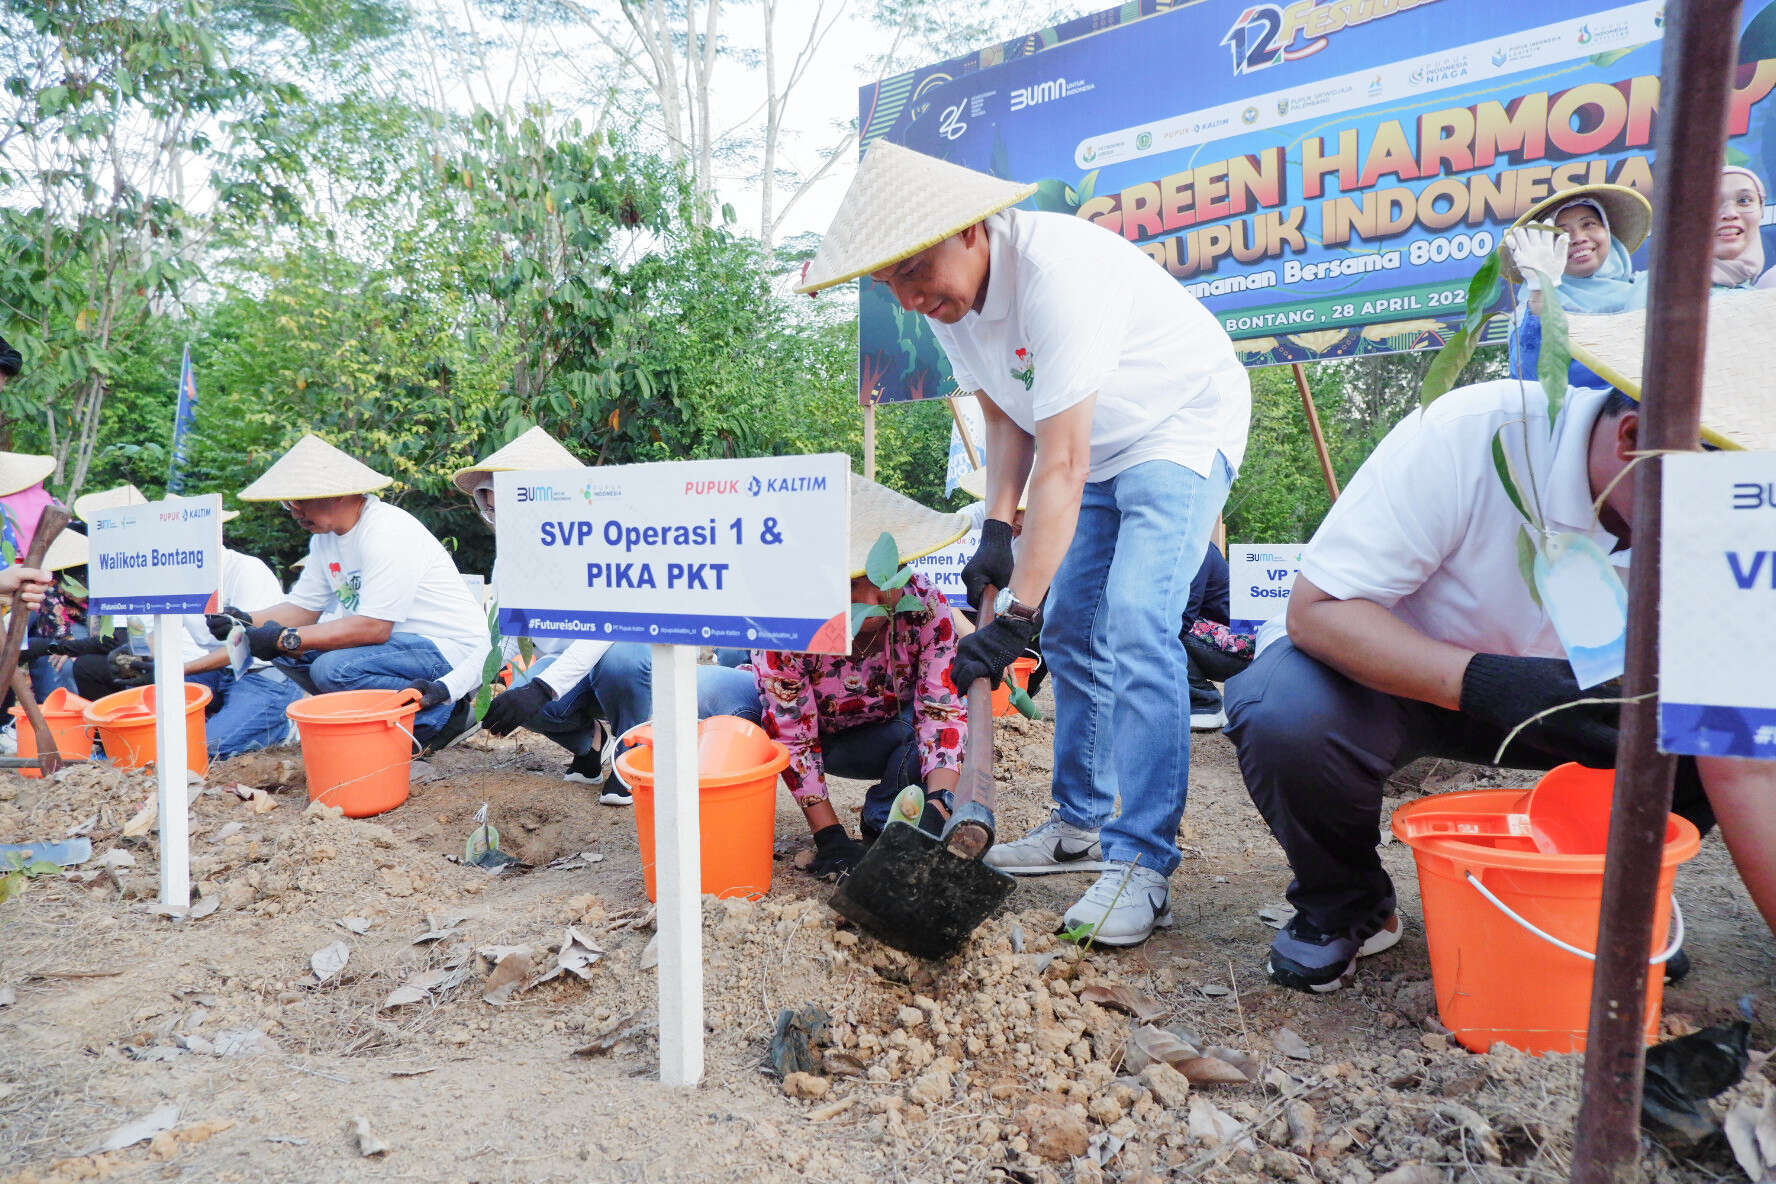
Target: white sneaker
(1208, 723)
(1123, 908)
(1055, 846)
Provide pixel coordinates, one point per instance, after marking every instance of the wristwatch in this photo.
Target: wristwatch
(1008, 605)
(290, 642)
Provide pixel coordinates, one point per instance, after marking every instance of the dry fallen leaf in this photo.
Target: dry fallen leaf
(576, 956)
(650, 957)
(1412, 1173)
(203, 908)
(1276, 915)
(418, 988)
(509, 977)
(1214, 1126)
(1148, 1045)
(142, 1129)
(1207, 1070)
(262, 802)
(368, 1144)
(1144, 1008)
(1215, 990)
(329, 960)
(1303, 1124)
(357, 925)
(1245, 1062)
(143, 820)
(228, 831)
(1740, 1128)
(1291, 1045)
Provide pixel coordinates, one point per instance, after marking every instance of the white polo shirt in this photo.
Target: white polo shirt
(1072, 309)
(390, 567)
(1426, 530)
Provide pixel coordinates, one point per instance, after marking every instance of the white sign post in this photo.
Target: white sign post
(1717, 605)
(162, 559)
(1259, 579)
(677, 555)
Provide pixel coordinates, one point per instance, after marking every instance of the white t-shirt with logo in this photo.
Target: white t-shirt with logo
(1073, 309)
(1426, 530)
(390, 567)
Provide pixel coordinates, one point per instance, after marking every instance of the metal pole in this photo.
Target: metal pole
(869, 441)
(1699, 51)
(1313, 425)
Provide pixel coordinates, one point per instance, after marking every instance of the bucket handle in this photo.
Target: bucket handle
(1677, 923)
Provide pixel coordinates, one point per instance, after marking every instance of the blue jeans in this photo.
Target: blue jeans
(1122, 681)
(886, 752)
(386, 667)
(50, 672)
(620, 691)
(252, 715)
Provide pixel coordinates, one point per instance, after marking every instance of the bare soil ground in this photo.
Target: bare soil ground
(1005, 1064)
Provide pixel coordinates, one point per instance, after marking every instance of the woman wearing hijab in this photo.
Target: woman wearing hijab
(1587, 258)
(884, 712)
(1738, 247)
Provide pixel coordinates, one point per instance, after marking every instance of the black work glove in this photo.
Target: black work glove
(40, 647)
(1504, 691)
(264, 640)
(513, 709)
(991, 563)
(222, 624)
(431, 692)
(130, 669)
(79, 647)
(835, 852)
(986, 653)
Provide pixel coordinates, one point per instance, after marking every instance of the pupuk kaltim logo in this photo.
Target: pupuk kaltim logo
(1025, 370)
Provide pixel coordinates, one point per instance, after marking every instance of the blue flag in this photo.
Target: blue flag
(182, 423)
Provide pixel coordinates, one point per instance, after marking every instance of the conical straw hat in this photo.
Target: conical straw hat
(68, 550)
(974, 484)
(21, 470)
(1740, 356)
(88, 504)
(1630, 216)
(899, 203)
(313, 468)
(918, 530)
(535, 449)
(230, 515)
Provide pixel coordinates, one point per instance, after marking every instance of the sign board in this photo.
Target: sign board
(944, 568)
(1326, 177)
(1717, 605)
(712, 552)
(1259, 578)
(158, 558)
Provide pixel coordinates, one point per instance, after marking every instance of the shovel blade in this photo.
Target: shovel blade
(910, 893)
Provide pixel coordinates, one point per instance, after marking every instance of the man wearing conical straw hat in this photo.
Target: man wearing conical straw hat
(883, 712)
(1414, 630)
(1120, 398)
(397, 609)
(584, 695)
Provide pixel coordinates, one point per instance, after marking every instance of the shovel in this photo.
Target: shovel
(924, 894)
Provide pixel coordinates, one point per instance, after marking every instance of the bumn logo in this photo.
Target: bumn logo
(1042, 92)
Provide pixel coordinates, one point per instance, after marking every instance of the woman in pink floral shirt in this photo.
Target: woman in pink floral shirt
(886, 712)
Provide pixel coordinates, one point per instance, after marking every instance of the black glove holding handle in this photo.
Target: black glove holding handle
(986, 653)
(1504, 691)
(222, 624)
(513, 709)
(991, 565)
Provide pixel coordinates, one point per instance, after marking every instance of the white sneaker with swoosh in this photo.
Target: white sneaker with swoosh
(1055, 846)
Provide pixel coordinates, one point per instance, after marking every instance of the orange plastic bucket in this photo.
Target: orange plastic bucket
(1021, 669)
(358, 748)
(1511, 929)
(737, 767)
(126, 727)
(65, 713)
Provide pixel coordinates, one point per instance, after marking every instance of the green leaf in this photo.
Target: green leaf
(899, 579)
(1020, 699)
(11, 885)
(1483, 292)
(910, 604)
(1507, 475)
(1526, 560)
(1451, 360)
(863, 612)
(1556, 356)
(73, 587)
(883, 561)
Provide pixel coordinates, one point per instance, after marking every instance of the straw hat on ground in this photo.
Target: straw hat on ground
(974, 484)
(1739, 358)
(68, 550)
(535, 449)
(899, 203)
(21, 470)
(1629, 214)
(918, 530)
(88, 504)
(313, 468)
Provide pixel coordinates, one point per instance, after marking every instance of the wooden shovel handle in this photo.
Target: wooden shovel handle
(976, 783)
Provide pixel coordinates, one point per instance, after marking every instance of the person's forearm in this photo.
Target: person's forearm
(1048, 529)
(345, 633)
(1009, 452)
(286, 614)
(214, 660)
(1370, 645)
(1741, 793)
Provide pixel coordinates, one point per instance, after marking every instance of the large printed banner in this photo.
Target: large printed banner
(1325, 176)
(745, 553)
